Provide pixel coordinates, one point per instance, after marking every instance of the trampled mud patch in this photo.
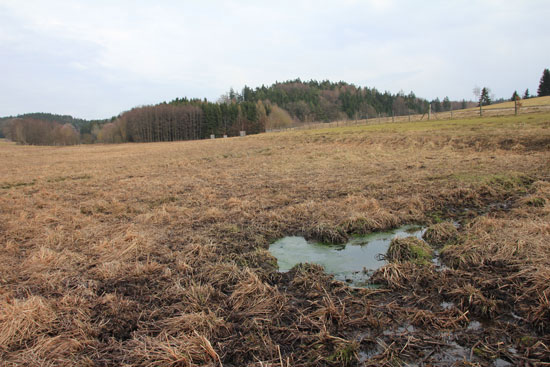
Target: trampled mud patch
(353, 262)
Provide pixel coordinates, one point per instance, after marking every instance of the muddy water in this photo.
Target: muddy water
(353, 262)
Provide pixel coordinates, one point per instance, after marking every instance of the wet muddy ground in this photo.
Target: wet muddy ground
(353, 262)
(415, 330)
(158, 254)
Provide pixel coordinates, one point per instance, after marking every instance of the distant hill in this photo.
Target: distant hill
(250, 110)
(327, 101)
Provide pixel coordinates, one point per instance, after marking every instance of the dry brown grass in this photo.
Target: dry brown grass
(440, 234)
(155, 254)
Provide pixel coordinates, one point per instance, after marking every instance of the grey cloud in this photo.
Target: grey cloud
(96, 59)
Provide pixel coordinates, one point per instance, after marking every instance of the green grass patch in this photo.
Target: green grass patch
(536, 202)
(71, 178)
(345, 355)
(10, 185)
(510, 181)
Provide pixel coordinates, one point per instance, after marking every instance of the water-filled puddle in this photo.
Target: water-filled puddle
(353, 262)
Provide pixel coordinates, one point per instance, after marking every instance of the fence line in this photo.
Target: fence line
(447, 115)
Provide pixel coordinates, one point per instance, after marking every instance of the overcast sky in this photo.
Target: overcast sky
(95, 59)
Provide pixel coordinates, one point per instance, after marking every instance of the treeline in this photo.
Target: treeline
(180, 119)
(79, 124)
(327, 101)
(86, 130)
(252, 110)
(39, 132)
(184, 119)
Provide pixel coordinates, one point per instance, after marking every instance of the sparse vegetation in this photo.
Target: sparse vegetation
(155, 254)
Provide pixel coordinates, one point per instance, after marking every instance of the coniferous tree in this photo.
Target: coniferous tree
(446, 104)
(485, 99)
(514, 96)
(436, 105)
(526, 94)
(544, 85)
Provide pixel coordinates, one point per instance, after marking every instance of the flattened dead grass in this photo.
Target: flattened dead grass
(156, 254)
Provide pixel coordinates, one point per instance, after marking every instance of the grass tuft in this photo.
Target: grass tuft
(409, 249)
(438, 235)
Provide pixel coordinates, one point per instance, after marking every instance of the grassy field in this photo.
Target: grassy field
(535, 101)
(537, 105)
(157, 254)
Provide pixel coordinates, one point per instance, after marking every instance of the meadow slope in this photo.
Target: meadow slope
(156, 254)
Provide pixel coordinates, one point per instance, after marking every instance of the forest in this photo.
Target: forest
(327, 101)
(252, 110)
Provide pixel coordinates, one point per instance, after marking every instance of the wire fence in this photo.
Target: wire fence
(486, 111)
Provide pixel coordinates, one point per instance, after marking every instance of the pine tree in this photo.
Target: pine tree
(514, 96)
(484, 99)
(526, 94)
(437, 105)
(544, 85)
